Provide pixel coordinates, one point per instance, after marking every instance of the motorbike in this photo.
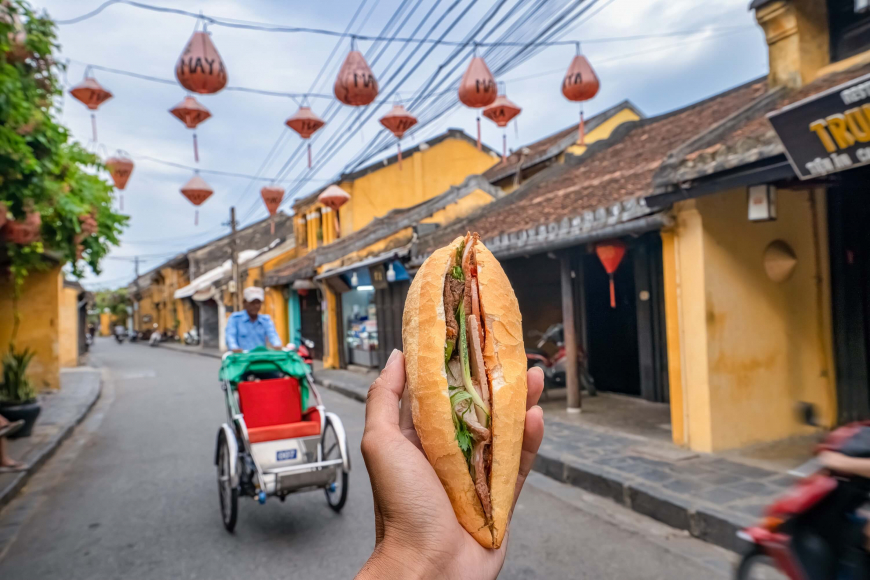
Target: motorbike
(154, 339)
(814, 531)
(303, 350)
(191, 337)
(119, 338)
(554, 366)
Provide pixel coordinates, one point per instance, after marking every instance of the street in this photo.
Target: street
(132, 495)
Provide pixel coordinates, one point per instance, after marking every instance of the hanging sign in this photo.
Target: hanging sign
(828, 132)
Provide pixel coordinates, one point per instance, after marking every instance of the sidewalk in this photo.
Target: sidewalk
(61, 411)
(710, 496)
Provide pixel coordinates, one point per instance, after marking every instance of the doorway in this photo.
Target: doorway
(311, 321)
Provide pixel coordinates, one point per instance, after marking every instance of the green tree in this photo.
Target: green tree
(41, 169)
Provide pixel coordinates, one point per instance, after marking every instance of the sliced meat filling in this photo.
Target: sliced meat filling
(481, 477)
(453, 292)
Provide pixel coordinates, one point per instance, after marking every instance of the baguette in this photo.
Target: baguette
(482, 504)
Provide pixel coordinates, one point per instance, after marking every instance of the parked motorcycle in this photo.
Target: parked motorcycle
(814, 531)
(554, 367)
(191, 337)
(303, 349)
(155, 338)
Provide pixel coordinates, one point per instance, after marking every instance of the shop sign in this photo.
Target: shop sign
(829, 132)
(378, 274)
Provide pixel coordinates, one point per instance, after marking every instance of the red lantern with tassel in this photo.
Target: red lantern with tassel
(120, 167)
(334, 197)
(200, 68)
(477, 88)
(23, 232)
(355, 84)
(398, 121)
(191, 113)
(501, 112)
(306, 123)
(197, 191)
(92, 94)
(272, 196)
(580, 84)
(610, 254)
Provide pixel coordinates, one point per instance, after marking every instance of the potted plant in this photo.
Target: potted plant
(17, 395)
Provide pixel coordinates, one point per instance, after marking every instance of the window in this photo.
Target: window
(849, 27)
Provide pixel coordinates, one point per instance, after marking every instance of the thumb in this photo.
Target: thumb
(382, 402)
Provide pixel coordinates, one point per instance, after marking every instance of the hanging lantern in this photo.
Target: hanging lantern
(306, 123)
(580, 84)
(17, 36)
(272, 196)
(477, 88)
(610, 254)
(191, 113)
(92, 94)
(355, 84)
(120, 167)
(199, 68)
(88, 223)
(197, 191)
(501, 112)
(23, 232)
(334, 197)
(398, 121)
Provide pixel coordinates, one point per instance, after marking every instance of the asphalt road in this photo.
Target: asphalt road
(133, 495)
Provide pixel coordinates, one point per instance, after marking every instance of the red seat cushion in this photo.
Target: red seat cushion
(270, 402)
(287, 431)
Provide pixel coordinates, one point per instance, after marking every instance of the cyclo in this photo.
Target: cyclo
(278, 439)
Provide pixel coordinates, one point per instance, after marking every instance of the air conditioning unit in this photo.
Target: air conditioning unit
(232, 286)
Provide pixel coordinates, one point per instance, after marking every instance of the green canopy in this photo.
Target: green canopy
(236, 366)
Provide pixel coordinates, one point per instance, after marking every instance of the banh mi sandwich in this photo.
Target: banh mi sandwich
(466, 375)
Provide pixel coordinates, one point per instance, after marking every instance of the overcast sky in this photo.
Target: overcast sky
(656, 74)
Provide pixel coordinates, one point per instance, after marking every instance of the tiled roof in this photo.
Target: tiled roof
(551, 146)
(745, 137)
(606, 183)
(291, 271)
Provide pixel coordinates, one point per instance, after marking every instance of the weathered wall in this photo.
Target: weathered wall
(797, 37)
(751, 348)
(39, 307)
(68, 327)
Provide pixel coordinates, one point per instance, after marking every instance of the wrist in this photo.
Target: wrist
(394, 562)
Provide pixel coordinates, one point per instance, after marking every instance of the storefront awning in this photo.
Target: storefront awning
(374, 260)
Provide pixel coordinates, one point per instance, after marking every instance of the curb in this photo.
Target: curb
(710, 525)
(13, 488)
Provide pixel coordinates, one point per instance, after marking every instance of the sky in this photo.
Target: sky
(247, 135)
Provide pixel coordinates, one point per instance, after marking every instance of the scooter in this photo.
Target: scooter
(191, 337)
(554, 368)
(814, 532)
(303, 349)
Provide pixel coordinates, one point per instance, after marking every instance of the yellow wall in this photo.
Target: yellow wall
(39, 307)
(797, 37)
(331, 358)
(68, 333)
(749, 348)
(105, 324)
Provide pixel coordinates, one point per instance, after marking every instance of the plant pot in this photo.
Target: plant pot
(28, 411)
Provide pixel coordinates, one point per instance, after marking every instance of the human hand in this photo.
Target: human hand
(417, 534)
(835, 461)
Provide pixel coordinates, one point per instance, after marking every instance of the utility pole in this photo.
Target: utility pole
(237, 302)
(138, 322)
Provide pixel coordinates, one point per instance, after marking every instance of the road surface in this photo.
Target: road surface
(132, 494)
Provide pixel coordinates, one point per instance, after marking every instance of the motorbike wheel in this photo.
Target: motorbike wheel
(756, 565)
(229, 495)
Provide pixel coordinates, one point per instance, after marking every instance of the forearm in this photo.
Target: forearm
(854, 465)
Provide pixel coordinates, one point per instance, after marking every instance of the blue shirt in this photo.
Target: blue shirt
(242, 333)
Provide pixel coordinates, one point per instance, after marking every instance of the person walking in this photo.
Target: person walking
(8, 428)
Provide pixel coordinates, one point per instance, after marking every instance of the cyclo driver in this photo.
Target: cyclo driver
(248, 329)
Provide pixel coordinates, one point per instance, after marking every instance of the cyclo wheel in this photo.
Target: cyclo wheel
(756, 565)
(229, 495)
(336, 493)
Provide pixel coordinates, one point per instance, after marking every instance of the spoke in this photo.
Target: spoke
(331, 449)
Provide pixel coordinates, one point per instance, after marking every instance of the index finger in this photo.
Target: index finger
(382, 401)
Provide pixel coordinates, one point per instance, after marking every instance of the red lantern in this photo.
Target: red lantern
(334, 197)
(199, 68)
(17, 36)
(501, 112)
(23, 232)
(120, 168)
(306, 123)
(398, 121)
(580, 84)
(92, 94)
(197, 191)
(610, 254)
(191, 113)
(355, 84)
(88, 224)
(272, 196)
(477, 88)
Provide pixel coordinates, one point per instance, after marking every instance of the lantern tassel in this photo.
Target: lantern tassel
(504, 146)
(478, 133)
(196, 217)
(582, 129)
(399, 146)
(309, 155)
(272, 224)
(337, 225)
(94, 126)
(121, 201)
(195, 148)
(612, 293)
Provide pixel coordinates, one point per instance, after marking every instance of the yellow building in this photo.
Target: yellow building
(49, 323)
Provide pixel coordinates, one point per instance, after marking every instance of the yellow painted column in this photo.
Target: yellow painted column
(330, 330)
(328, 225)
(692, 315)
(105, 324)
(672, 329)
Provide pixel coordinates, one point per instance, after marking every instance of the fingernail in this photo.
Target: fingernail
(393, 357)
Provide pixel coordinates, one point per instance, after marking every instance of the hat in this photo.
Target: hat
(254, 293)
